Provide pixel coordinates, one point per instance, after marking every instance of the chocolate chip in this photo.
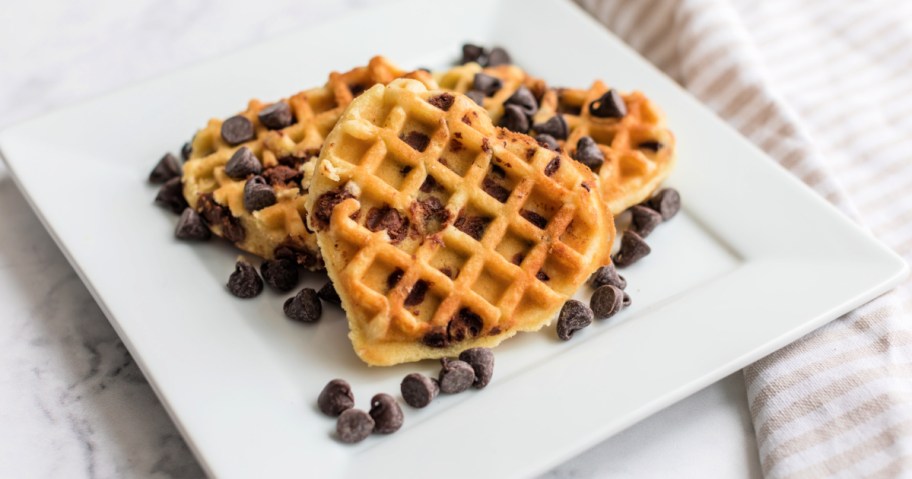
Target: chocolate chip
(395, 224)
(588, 153)
(552, 166)
(514, 119)
(328, 293)
(336, 398)
(280, 273)
(556, 126)
(190, 226)
(443, 101)
(473, 226)
(282, 175)
(429, 184)
(186, 150)
(386, 413)
(258, 194)
(524, 99)
(633, 248)
(482, 362)
(237, 130)
(171, 196)
(218, 215)
(168, 167)
(534, 218)
(542, 276)
(548, 141)
(498, 56)
(243, 163)
(432, 209)
(476, 96)
(354, 425)
(416, 295)
(464, 324)
(435, 339)
(607, 275)
(418, 390)
(609, 105)
(244, 282)
(574, 315)
(606, 301)
(394, 277)
(304, 306)
(518, 259)
(276, 116)
(472, 53)
(325, 205)
(651, 145)
(455, 376)
(667, 202)
(300, 254)
(495, 189)
(626, 301)
(486, 84)
(644, 220)
(417, 140)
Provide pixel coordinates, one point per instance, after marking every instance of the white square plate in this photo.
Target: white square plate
(754, 261)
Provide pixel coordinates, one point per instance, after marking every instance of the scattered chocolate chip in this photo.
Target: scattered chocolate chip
(455, 376)
(171, 196)
(534, 218)
(243, 163)
(395, 224)
(607, 275)
(443, 101)
(394, 277)
(552, 166)
(644, 220)
(556, 126)
(589, 154)
(304, 307)
(237, 130)
(276, 116)
(473, 226)
(282, 175)
(435, 339)
(464, 324)
(186, 150)
(514, 119)
(524, 99)
(667, 202)
(476, 96)
(328, 293)
(258, 194)
(498, 56)
(416, 295)
(417, 140)
(626, 301)
(168, 167)
(472, 53)
(574, 315)
(495, 189)
(548, 141)
(325, 205)
(280, 273)
(354, 425)
(542, 276)
(606, 301)
(190, 226)
(418, 390)
(609, 105)
(651, 145)
(336, 398)
(486, 84)
(482, 362)
(633, 248)
(386, 413)
(244, 282)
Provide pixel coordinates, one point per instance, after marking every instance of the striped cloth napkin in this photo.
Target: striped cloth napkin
(825, 88)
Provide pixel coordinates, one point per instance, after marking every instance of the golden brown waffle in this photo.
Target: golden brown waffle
(442, 232)
(287, 156)
(631, 173)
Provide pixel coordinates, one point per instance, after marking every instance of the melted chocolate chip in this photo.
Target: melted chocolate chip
(574, 315)
(435, 339)
(190, 227)
(242, 164)
(416, 295)
(589, 154)
(429, 184)
(495, 189)
(609, 105)
(473, 226)
(354, 425)
(417, 140)
(283, 176)
(244, 282)
(556, 126)
(482, 362)
(542, 276)
(486, 84)
(387, 414)
(552, 166)
(218, 215)
(514, 119)
(432, 209)
(167, 167)
(237, 130)
(280, 273)
(633, 249)
(394, 277)
(171, 196)
(443, 101)
(276, 116)
(258, 194)
(644, 220)
(534, 218)
(418, 390)
(395, 224)
(297, 253)
(464, 324)
(455, 376)
(325, 204)
(304, 307)
(651, 145)
(335, 398)
(607, 275)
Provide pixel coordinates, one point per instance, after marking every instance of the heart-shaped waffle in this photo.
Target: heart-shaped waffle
(442, 232)
(281, 150)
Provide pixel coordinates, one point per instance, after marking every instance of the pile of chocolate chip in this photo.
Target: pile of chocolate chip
(474, 368)
(609, 297)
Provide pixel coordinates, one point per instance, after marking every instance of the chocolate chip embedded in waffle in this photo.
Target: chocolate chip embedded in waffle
(442, 232)
(629, 131)
(279, 142)
(471, 77)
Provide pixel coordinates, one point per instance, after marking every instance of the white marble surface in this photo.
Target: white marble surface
(72, 401)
